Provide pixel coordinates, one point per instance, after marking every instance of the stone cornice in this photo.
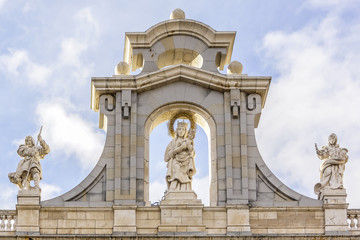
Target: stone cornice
(185, 27)
(181, 27)
(218, 82)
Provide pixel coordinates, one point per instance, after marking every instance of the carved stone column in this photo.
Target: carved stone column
(28, 211)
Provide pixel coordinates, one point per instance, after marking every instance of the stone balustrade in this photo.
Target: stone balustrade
(353, 216)
(7, 220)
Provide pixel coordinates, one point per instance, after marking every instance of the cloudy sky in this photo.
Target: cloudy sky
(49, 50)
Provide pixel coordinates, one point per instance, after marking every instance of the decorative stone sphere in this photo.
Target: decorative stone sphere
(235, 67)
(177, 14)
(122, 68)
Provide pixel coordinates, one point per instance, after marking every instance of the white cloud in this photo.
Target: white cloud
(8, 196)
(88, 26)
(13, 61)
(156, 190)
(69, 133)
(38, 74)
(315, 94)
(339, 4)
(201, 188)
(71, 50)
(85, 35)
(19, 65)
(49, 191)
(2, 3)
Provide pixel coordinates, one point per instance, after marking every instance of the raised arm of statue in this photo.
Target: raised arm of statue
(44, 149)
(323, 153)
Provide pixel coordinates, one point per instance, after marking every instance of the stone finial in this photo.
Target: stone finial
(122, 68)
(177, 14)
(235, 67)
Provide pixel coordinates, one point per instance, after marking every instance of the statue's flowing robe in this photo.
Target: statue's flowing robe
(333, 167)
(181, 167)
(30, 161)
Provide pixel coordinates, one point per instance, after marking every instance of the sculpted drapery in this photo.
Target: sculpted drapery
(179, 156)
(333, 167)
(29, 168)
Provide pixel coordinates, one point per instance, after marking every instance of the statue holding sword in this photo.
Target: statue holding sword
(29, 168)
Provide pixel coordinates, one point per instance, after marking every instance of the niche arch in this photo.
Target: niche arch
(201, 117)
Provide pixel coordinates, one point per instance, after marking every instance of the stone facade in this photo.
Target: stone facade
(179, 61)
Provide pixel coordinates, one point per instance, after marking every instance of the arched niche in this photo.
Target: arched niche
(202, 118)
(179, 56)
(178, 49)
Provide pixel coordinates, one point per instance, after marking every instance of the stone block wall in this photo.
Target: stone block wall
(290, 220)
(147, 219)
(215, 221)
(76, 220)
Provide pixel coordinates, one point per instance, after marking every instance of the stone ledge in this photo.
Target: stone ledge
(336, 206)
(172, 237)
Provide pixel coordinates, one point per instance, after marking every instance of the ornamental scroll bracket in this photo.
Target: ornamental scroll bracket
(106, 108)
(235, 102)
(254, 103)
(126, 103)
(107, 103)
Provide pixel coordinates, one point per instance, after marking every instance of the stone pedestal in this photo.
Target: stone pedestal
(28, 212)
(180, 197)
(238, 220)
(181, 213)
(335, 211)
(124, 220)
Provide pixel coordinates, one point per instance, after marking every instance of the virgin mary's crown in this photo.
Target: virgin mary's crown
(182, 124)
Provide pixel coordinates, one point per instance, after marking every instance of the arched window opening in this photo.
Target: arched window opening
(159, 139)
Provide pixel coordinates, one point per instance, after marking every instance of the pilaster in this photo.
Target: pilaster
(28, 212)
(124, 220)
(238, 220)
(335, 211)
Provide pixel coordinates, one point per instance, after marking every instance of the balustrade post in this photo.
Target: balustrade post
(352, 221)
(2, 225)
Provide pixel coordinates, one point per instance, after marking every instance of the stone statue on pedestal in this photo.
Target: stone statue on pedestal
(29, 168)
(333, 166)
(179, 156)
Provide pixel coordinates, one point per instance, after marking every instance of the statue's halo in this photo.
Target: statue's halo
(181, 115)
